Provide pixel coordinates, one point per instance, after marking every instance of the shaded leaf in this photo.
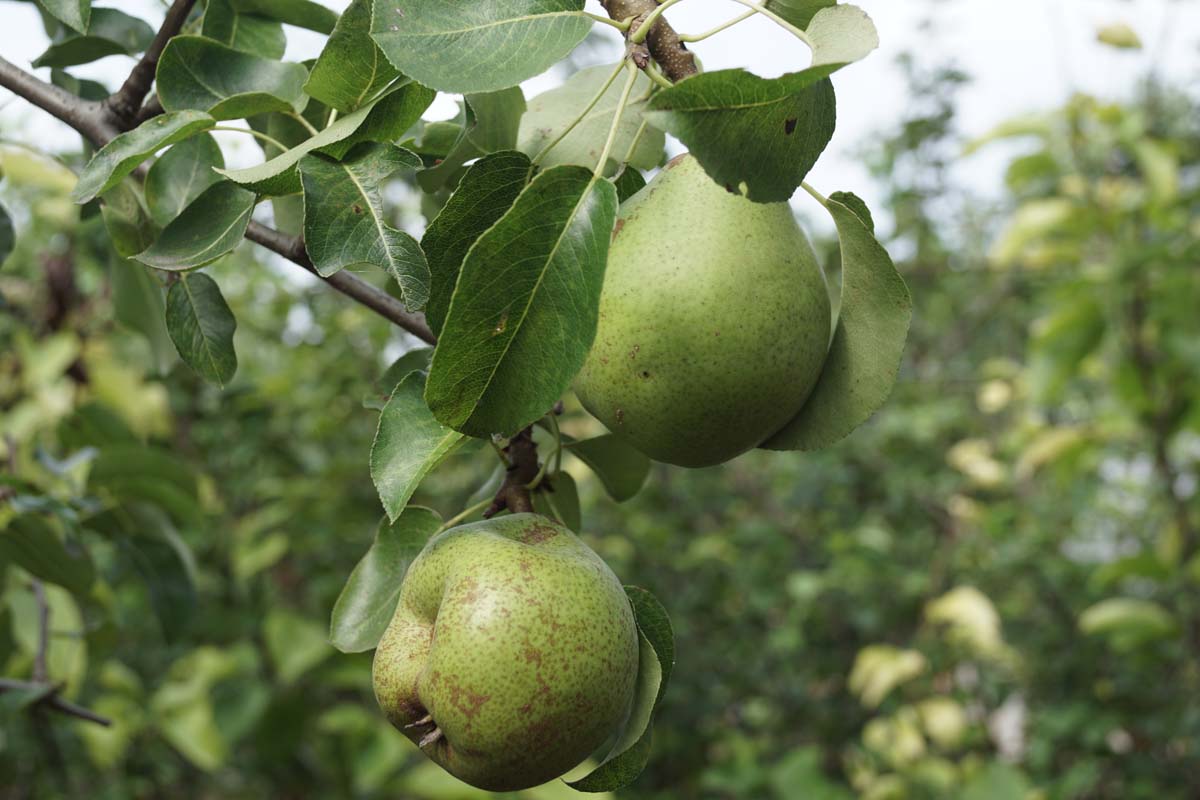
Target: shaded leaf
(477, 47)
(413, 361)
(128, 223)
(550, 113)
(408, 445)
(211, 226)
(138, 305)
(32, 543)
(296, 644)
(868, 342)
(202, 326)
(799, 12)
(199, 73)
(619, 467)
(485, 193)
(122, 155)
(743, 129)
(301, 13)
(506, 357)
(560, 501)
(345, 223)
(497, 119)
(181, 175)
(8, 235)
(75, 14)
(628, 182)
(249, 33)
(351, 69)
(368, 600)
(109, 33)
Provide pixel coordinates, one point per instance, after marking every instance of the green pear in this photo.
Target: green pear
(714, 321)
(512, 655)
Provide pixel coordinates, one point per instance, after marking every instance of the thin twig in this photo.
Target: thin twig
(40, 670)
(85, 116)
(522, 470)
(53, 701)
(127, 100)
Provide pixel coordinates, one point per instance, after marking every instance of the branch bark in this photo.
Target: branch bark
(522, 470)
(53, 701)
(99, 123)
(127, 101)
(662, 44)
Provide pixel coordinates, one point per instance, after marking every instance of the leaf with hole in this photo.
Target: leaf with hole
(345, 223)
(367, 601)
(202, 326)
(409, 443)
(123, 154)
(486, 192)
(477, 47)
(505, 357)
(743, 129)
(868, 340)
(202, 74)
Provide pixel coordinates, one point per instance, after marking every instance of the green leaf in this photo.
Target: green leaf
(8, 235)
(656, 659)
(497, 119)
(199, 73)
(799, 12)
(619, 467)
(76, 14)
(345, 223)
(477, 47)
(87, 89)
(109, 33)
(202, 326)
(368, 600)
(448, 166)
(383, 120)
(351, 69)
(1128, 621)
(560, 501)
(408, 445)
(296, 644)
(841, 35)
(550, 113)
(126, 220)
(413, 361)
(249, 33)
(765, 133)
(505, 357)
(301, 13)
(32, 543)
(868, 341)
(1119, 35)
(211, 226)
(138, 305)
(181, 175)
(628, 182)
(122, 155)
(485, 193)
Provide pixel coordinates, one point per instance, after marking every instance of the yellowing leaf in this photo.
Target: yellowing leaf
(880, 668)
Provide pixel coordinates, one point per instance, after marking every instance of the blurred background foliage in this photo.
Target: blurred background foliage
(989, 592)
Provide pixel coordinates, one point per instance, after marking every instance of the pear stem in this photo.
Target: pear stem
(429, 738)
(522, 469)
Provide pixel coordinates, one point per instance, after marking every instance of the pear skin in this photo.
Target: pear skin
(714, 321)
(512, 654)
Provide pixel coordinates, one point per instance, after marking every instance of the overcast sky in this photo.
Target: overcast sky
(1023, 55)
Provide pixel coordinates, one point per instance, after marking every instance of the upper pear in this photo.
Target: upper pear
(714, 321)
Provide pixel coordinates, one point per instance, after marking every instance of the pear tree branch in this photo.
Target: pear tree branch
(661, 43)
(99, 123)
(126, 101)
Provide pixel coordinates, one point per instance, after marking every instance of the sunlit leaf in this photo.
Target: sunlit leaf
(351, 69)
(202, 74)
(109, 33)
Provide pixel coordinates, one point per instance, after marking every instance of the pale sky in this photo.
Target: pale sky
(1024, 55)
